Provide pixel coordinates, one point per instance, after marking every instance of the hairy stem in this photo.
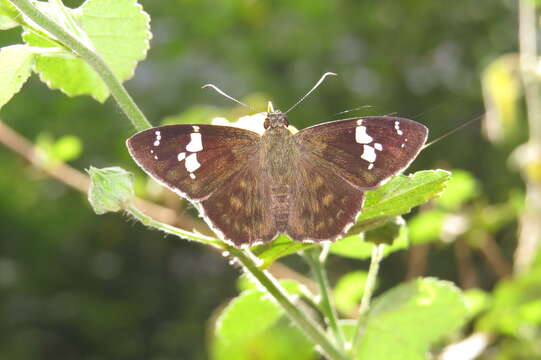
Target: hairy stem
(71, 42)
(271, 285)
(377, 256)
(317, 265)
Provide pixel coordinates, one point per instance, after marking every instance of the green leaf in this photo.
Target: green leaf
(515, 306)
(111, 189)
(402, 193)
(67, 148)
(403, 322)
(278, 342)
(117, 30)
(359, 247)
(278, 248)
(349, 290)
(426, 226)
(52, 152)
(461, 188)
(8, 15)
(15, 68)
(253, 326)
(252, 312)
(477, 301)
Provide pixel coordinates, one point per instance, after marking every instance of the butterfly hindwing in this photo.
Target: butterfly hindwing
(365, 151)
(323, 205)
(193, 160)
(240, 210)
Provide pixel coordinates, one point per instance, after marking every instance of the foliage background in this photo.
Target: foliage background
(78, 286)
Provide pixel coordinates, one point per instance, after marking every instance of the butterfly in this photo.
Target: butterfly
(250, 188)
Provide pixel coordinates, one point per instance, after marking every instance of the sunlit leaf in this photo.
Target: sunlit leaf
(477, 301)
(426, 226)
(252, 312)
(403, 322)
(461, 187)
(117, 30)
(360, 247)
(402, 193)
(67, 148)
(15, 68)
(8, 15)
(349, 290)
(516, 304)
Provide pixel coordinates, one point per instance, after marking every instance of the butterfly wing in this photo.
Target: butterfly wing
(193, 160)
(323, 205)
(240, 210)
(217, 167)
(364, 151)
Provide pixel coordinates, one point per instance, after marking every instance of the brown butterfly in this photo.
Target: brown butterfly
(250, 188)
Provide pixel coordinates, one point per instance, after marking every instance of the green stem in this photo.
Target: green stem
(377, 256)
(124, 100)
(317, 265)
(271, 285)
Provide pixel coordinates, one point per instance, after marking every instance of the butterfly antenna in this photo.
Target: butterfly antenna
(311, 90)
(217, 89)
(355, 109)
(477, 118)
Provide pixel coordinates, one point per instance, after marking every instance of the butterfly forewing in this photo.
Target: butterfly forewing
(365, 151)
(193, 160)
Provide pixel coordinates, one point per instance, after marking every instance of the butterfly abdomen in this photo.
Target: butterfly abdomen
(279, 153)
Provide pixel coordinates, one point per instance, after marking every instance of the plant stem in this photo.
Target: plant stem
(123, 99)
(530, 228)
(148, 221)
(271, 285)
(317, 265)
(377, 256)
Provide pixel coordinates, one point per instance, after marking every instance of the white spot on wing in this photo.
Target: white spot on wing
(371, 166)
(361, 136)
(360, 122)
(158, 138)
(195, 143)
(195, 128)
(397, 128)
(192, 175)
(181, 156)
(191, 163)
(378, 146)
(369, 154)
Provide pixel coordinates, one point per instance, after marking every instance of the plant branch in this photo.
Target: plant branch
(377, 256)
(530, 227)
(317, 265)
(271, 285)
(72, 43)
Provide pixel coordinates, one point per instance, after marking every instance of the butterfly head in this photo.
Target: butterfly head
(275, 118)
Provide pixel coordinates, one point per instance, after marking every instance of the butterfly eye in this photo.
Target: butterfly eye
(286, 122)
(266, 124)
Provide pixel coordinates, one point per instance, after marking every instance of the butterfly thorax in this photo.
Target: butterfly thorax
(278, 156)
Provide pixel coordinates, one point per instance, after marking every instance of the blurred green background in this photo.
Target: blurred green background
(74, 285)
